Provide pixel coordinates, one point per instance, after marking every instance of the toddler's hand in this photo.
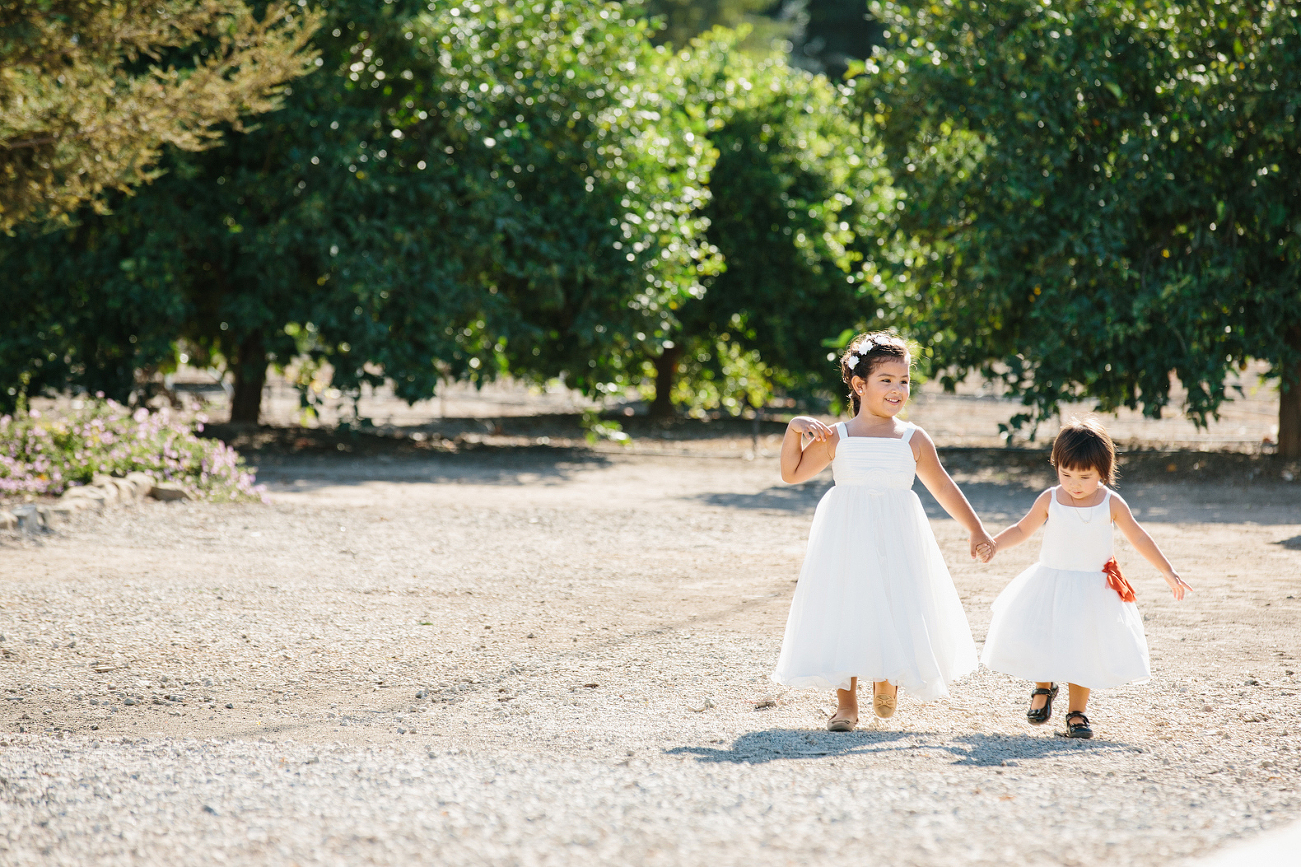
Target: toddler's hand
(1178, 586)
(982, 547)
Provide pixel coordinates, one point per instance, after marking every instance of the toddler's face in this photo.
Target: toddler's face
(886, 389)
(1079, 483)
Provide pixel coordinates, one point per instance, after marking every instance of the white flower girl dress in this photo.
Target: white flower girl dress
(874, 598)
(1059, 621)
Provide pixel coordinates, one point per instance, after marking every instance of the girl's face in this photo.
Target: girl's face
(886, 388)
(1079, 483)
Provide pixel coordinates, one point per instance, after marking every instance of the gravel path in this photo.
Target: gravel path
(545, 657)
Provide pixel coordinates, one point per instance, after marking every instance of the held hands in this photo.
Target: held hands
(808, 426)
(1178, 587)
(982, 546)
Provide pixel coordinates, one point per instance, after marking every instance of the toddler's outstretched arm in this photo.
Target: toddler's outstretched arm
(1024, 528)
(1143, 543)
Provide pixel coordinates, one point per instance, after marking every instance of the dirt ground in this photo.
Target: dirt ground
(617, 613)
(465, 636)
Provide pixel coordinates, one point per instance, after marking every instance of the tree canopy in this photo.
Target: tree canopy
(684, 20)
(454, 194)
(1101, 193)
(796, 196)
(91, 92)
(1076, 199)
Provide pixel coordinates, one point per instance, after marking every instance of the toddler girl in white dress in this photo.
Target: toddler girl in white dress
(1071, 617)
(874, 598)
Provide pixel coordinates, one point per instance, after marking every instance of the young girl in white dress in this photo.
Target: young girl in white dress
(874, 598)
(1071, 617)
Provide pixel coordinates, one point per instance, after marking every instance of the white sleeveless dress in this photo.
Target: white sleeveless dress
(1058, 621)
(874, 598)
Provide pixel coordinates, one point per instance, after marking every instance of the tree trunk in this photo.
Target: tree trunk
(250, 377)
(666, 368)
(1289, 403)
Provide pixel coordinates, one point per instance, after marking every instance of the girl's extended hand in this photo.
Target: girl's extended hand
(806, 425)
(982, 546)
(1178, 586)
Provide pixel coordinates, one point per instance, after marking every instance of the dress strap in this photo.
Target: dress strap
(841, 431)
(908, 432)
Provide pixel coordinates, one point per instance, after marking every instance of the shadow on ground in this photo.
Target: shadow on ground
(976, 750)
(1003, 502)
(483, 465)
(1000, 501)
(779, 498)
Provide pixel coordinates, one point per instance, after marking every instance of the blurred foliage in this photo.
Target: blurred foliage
(822, 36)
(1075, 198)
(91, 92)
(223, 251)
(1098, 193)
(830, 35)
(797, 195)
(596, 429)
(680, 21)
(588, 178)
(455, 194)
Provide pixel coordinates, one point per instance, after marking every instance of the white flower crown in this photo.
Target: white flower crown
(865, 347)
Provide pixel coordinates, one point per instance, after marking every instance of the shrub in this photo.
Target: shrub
(47, 454)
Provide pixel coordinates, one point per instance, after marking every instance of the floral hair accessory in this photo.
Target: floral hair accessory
(854, 356)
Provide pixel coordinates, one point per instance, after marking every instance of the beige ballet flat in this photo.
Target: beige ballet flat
(840, 724)
(885, 705)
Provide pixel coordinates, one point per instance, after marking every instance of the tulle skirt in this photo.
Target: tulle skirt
(874, 600)
(1064, 626)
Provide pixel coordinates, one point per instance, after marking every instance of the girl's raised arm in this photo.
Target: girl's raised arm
(800, 463)
(1143, 543)
(947, 493)
(1024, 528)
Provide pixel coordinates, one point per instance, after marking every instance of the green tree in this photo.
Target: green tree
(832, 35)
(797, 197)
(490, 187)
(684, 20)
(225, 249)
(1101, 192)
(91, 92)
(589, 177)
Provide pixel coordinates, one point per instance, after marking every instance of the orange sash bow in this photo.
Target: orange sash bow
(1117, 582)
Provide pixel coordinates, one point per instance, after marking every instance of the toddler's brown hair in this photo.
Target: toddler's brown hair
(1085, 445)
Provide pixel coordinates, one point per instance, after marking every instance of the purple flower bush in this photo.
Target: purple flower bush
(47, 454)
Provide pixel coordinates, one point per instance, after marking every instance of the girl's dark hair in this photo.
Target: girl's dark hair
(865, 352)
(1085, 445)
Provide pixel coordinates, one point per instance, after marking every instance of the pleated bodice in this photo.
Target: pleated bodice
(878, 463)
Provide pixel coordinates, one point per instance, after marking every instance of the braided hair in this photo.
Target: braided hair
(865, 352)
